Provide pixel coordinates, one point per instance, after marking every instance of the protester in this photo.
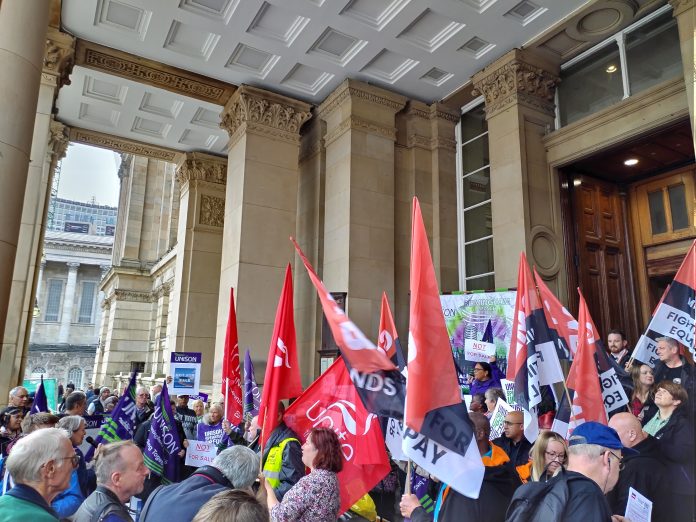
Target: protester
(97, 405)
(187, 417)
(10, 427)
(492, 395)
(672, 366)
(216, 430)
(672, 426)
(234, 505)
(40, 464)
(486, 375)
(68, 501)
(110, 404)
(282, 454)
(18, 398)
(316, 495)
(90, 392)
(75, 404)
(121, 472)
(69, 388)
(143, 409)
(645, 472)
(76, 428)
(38, 421)
(548, 455)
(234, 468)
(478, 403)
(617, 346)
(199, 408)
(512, 441)
(499, 483)
(643, 381)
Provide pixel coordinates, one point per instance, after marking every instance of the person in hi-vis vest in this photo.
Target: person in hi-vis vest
(282, 454)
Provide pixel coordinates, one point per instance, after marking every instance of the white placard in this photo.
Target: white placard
(478, 351)
(612, 391)
(509, 389)
(502, 408)
(394, 439)
(185, 369)
(638, 507)
(467, 401)
(200, 453)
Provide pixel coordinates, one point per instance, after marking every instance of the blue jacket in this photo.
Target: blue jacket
(69, 501)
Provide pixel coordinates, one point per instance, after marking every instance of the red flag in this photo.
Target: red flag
(282, 379)
(583, 378)
(388, 338)
(361, 353)
(557, 316)
(332, 401)
(432, 377)
(231, 372)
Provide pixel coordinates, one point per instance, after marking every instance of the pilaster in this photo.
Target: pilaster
(685, 13)
(68, 303)
(519, 90)
(260, 212)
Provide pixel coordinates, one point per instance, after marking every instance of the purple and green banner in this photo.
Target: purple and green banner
(163, 445)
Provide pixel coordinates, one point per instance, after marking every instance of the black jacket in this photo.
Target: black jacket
(100, 503)
(180, 502)
(687, 377)
(586, 502)
(518, 453)
(646, 473)
(293, 468)
(677, 444)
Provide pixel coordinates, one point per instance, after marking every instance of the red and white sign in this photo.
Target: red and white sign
(200, 453)
(478, 351)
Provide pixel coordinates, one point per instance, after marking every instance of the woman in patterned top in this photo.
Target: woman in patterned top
(315, 496)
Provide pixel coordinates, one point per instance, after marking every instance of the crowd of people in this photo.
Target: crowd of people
(648, 446)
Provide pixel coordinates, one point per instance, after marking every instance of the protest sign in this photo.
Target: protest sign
(638, 507)
(478, 351)
(200, 453)
(509, 390)
(393, 439)
(92, 426)
(211, 433)
(200, 396)
(467, 400)
(502, 408)
(185, 370)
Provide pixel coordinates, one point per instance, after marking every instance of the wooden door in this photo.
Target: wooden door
(603, 255)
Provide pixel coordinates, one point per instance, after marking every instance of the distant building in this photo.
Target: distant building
(82, 218)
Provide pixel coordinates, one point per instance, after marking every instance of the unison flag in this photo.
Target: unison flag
(251, 389)
(559, 319)
(438, 435)
(282, 380)
(40, 399)
(162, 449)
(231, 372)
(121, 424)
(674, 316)
(332, 401)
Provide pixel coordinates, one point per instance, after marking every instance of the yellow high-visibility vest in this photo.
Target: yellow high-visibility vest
(274, 462)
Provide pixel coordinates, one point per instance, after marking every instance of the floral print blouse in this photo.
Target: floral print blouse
(315, 497)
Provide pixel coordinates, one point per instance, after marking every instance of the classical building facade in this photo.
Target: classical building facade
(565, 130)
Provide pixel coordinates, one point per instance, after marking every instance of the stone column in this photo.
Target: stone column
(194, 300)
(519, 89)
(260, 212)
(103, 270)
(22, 42)
(685, 13)
(68, 303)
(160, 358)
(359, 202)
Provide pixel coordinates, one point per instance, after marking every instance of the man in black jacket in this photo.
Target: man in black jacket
(513, 442)
(645, 472)
(673, 367)
(235, 468)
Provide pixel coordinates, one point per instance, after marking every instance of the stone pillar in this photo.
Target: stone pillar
(685, 13)
(22, 42)
(160, 358)
(519, 90)
(68, 303)
(103, 270)
(260, 213)
(359, 202)
(194, 301)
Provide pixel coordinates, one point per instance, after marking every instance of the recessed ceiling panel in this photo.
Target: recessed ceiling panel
(307, 79)
(215, 9)
(126, 17)
(389, 66)
(161, 105)
(375, 13)
(98, 114)
(190, 40)
(104, 91)
(155, 129)
(337, 46)
(251, 60)
(206, 118)
(277, 23)
(430, 30)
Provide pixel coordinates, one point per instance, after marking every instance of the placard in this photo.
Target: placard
(638, 507)
(393, 438)
(200, 453)
(185, 370)
(200, 396)
(502, 408)
(478, 351)
(93, 424)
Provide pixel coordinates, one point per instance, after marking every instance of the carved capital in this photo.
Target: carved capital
(212, 211)
(263, 112)
(164, 289)
(58, 140)
(125, 167)
(355, 90)
(59, 56)
(516, 82)
(73, 266)
(681, 6)
(199, 166)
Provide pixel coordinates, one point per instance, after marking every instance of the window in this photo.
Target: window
(87, 302)
(55, 291)
(476, 271)
(39, 371)
(75, 377)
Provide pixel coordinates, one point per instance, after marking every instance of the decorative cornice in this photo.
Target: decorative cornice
(58, 140)
(124, 168)
(59, 56)
(203, 167)
(360, 91)
(416, 140)
(132, 295)
(357, 123)
(443, 143)
(262, 112)
(440, 111)
(108, 141)
(212, 211)
(119, 63)
(516, 82)
(681, 6)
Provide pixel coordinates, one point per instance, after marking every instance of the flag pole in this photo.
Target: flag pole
(408, 476)
(263, 427)
(227, 392)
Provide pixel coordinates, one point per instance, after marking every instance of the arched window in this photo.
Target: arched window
(38, 371)
(75, 377)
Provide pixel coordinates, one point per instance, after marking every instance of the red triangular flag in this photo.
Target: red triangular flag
(583, 378)
(332, 401)
(388, 338)
(231, 372)
(429, 350)
(282, 379)
(557, 316)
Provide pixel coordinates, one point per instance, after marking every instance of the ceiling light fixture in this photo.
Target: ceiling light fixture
(630, 162)
(611, 69)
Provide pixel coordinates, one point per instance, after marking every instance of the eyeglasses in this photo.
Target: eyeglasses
(620, 459)
(555, 456)
(74, 460)
(510, 423)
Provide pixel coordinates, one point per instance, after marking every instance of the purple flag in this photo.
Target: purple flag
(163, 444)
(252, 396)
(40, 399)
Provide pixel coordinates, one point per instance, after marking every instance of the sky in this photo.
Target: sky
(90, 172)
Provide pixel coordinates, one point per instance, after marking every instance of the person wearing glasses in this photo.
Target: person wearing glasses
(547, 457)
(41, 465)
(512, 441)
(486, 375)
